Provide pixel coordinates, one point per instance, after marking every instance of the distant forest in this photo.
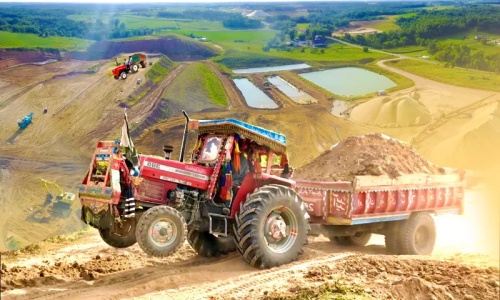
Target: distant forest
(423, 29)
(54, 22)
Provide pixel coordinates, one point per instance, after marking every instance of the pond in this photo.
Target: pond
(292, 92)
(349, 81)
(253, 95)
(271, 69)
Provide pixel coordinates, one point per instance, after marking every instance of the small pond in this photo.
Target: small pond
(253, 95)
(349, 81)
(271, 69)
(292, 92)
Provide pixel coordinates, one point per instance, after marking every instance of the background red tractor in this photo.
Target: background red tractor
(130, 65)
(234, 195)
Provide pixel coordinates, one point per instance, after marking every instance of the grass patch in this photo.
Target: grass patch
(33, 41)
(454, 76)
(160, 69)
(195, 89)
(236, 60)
(330, 290)
(213, 85)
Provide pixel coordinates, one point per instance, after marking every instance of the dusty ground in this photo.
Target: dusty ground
(84, 108)
(81, 266)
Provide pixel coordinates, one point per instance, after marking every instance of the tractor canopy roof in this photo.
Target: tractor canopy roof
(274, 140)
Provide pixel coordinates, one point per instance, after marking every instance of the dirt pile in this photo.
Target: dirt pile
(390, 277)
(371, 154)
(386, 112)
(475, 140)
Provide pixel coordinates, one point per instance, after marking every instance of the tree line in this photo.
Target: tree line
(426, 26)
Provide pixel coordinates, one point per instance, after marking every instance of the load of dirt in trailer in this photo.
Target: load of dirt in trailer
(371, 154)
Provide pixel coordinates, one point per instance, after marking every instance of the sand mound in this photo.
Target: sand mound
(371, 154)
(404, 111)
(475, 144)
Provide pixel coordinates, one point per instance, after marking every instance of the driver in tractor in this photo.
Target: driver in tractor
(240, 166)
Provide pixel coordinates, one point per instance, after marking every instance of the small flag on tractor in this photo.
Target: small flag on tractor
(126, 142)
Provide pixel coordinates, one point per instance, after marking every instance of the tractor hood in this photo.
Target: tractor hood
(173, 171)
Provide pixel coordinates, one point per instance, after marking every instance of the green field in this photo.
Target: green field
(468, 39)
(414, 51)
(138, 22)
(454, 76)
(334, 52)
(31, 41)
(387, 24)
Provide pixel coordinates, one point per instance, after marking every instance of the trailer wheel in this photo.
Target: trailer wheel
(417, 235)
(143, 64)
(208, 245)
(391, 237)
(360, 239)
(121, 237)
(161, 230)
(135, 68)
(123, 75)
(272, 226)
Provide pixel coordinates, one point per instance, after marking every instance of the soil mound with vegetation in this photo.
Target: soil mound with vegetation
(179, 49)
(400, 112)
(371, 154)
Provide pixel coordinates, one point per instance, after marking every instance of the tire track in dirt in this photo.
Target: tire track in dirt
(243, 286)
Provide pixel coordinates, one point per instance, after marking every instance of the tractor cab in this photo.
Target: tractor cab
(243, 157)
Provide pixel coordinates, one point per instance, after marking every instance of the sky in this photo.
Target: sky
(154, 1)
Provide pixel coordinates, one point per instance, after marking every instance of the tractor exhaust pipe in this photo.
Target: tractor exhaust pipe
(184, 137)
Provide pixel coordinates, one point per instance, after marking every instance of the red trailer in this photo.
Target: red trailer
(349, 212)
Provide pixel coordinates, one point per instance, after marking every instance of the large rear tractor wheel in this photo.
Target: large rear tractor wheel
(161, 230)
(123, 75)
(208, 245)
(272, 226)
(121, 236)
(134, 68)
(417, 235)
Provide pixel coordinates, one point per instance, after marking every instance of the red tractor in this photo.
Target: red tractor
(130, 65)
(234, 194)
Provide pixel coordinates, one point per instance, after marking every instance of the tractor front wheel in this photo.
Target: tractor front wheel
(121, 236)
(209, 245)
(123, 75)
(271, 227)
(161, 230)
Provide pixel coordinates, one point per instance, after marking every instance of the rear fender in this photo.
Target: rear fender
(253, 181)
